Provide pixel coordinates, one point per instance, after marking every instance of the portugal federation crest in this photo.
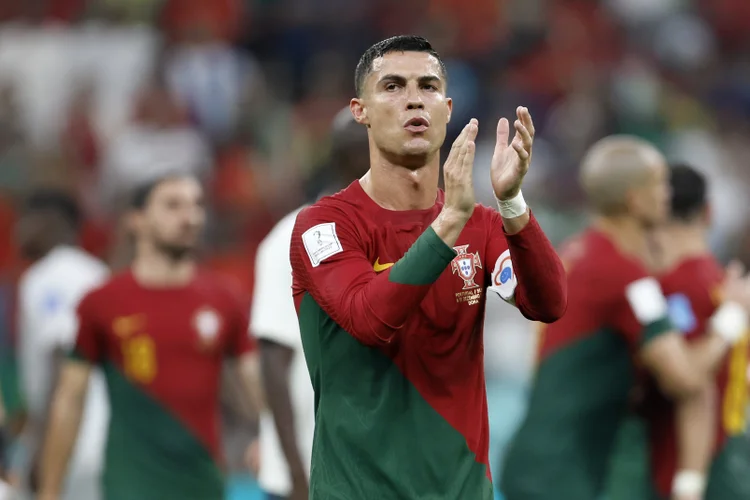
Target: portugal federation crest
(466, 264)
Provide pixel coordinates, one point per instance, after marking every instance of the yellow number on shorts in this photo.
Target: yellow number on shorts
(139, 358)
(735, 399)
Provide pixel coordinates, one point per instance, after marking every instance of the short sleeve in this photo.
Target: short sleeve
(89, 338)
(273, 315)
(641, 310)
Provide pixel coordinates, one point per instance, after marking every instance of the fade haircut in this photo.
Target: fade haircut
(400, 43)
(689, 192)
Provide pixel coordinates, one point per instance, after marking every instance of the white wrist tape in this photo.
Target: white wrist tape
(688, 483)
(730, 322)
(515, 207)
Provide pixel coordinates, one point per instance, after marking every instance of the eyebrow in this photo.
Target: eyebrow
(401, 80)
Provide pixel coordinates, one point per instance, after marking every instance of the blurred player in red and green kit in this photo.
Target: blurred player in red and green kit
(617, 323)
(160, 331)
(389, 281)
(692, 282)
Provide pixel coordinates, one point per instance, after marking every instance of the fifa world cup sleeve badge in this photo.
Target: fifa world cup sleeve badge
(504, 281)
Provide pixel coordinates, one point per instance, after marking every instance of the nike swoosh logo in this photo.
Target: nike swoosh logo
(378, 267)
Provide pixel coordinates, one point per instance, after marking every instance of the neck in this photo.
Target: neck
(155, 269)
(679, 242)
(395, 187)
(627, 234)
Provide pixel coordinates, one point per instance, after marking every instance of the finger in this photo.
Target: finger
(503, 130)
(472, 130)
(525, 116)
(456, 145)
(523, 133)
(520, 149)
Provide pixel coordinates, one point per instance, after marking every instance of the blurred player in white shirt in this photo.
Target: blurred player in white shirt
(49, 292)
(285, 455)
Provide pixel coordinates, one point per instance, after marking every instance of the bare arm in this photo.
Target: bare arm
(64, 421)
(249, 371)
(276, 360)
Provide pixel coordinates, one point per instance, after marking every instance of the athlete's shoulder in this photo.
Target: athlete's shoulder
(338, 207)
(223, 289)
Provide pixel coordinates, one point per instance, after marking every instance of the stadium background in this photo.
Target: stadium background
(97, 96)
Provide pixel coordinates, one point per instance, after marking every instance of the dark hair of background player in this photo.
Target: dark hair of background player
(141, 195)
(54, 201)
(400, 43)
(49, 217)
(689, 192)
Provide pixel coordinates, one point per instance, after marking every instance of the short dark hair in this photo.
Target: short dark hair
(56, 201)
(689, 192)
(141, 195)
(400, 43)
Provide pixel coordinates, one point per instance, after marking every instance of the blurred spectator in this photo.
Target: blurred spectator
(158, 141)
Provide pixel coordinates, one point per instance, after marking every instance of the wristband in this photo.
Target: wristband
(688, 483)
(730, 322)
(515, 207)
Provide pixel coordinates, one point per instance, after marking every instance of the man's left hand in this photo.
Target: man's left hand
(511, 162)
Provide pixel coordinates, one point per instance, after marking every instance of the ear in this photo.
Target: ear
(449, 103)
(359, 111)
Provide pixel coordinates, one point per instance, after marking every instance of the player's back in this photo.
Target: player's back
(584, 376)
(162, 351)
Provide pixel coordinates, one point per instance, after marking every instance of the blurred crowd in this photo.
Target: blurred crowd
(98, 96)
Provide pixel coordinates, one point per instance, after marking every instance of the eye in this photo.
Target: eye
(430, 87)
(390, 87)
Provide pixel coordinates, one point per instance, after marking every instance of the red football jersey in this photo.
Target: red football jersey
(692, 290)
(391, 322)
(161, 350)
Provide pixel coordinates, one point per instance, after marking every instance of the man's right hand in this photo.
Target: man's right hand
(731, 319)
(459, 186)
(458, 172)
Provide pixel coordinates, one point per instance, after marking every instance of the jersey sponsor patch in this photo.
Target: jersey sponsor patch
(681, 312)
(321, 242)
(646, 300)
(504, 281)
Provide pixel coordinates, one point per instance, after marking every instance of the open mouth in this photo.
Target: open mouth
(417, 125)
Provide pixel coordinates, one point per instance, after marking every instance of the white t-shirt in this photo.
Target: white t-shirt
(274, 318)
(49, 293)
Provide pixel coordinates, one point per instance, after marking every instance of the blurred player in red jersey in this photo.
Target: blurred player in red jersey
(160, 331)
(617, 321)
(692, 284)
(389, 282)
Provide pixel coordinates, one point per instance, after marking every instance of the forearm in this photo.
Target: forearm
(275, 361)
(707, 354)
(542, 292)
(378, 308)
(695, 421)
(60, 438)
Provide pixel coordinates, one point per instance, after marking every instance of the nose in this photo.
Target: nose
(414, 98)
